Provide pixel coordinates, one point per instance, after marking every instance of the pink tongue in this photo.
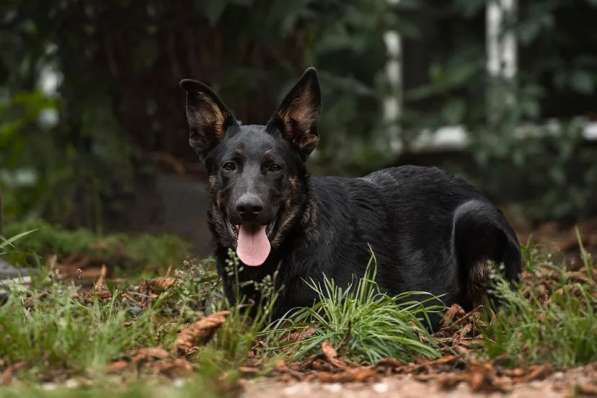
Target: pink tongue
(253, 246)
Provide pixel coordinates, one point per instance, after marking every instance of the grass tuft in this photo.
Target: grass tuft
(549, 318)
(360, 321)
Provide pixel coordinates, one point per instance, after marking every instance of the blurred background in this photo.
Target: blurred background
(92, 127)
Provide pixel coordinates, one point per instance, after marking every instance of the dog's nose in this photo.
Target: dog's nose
(249, 206)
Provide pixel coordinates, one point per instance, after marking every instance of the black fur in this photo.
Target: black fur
(428, 230)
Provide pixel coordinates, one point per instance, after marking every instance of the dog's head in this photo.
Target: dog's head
(255, 171)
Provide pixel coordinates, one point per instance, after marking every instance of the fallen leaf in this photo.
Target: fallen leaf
(483, 377)
(328, 351)
(360, 374)
(117, 366)
(321, 365)
(445, 381)
(331, 355)
(301, 335)
(161, 284)
(363, 373)
(454, 312)
(150, 353)
(390, 363)
(536, 372)
(283, 369)
(9, 373)
(175, 367)
(589, 389)
(478, 380)
(445, 360)
(199, 332)
(248, 370)
(99, 288)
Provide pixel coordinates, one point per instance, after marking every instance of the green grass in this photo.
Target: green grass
(52, 330)
(361, 322)
(60, 331)
(550, 318)
(8, 243)
(55, 326)
(148, 252)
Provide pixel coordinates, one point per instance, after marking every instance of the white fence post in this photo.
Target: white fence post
(501, 58)
(392, 104)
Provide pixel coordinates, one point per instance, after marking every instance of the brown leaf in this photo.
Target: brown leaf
(175, 367)
(100, 288)
(390, 363)
(117, 366)
(454, 312)
(445, 381)
(301, 335)
(161, 284)
(589, 389)
(478, 380)
(363, 373)
(199, 332)
(150, 353)
(283, 369)
(445, 360)
(248, 370)
(536, 372)
(360, 374)
(9, 373)
(483, 377)
(329, 351)
(331, 355)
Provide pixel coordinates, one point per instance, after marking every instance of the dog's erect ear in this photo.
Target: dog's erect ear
(298, 114)
(207, 116)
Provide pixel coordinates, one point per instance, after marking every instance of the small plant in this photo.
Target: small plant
(550, 318)
(360, 321)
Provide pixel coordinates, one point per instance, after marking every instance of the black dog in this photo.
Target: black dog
(429, 231)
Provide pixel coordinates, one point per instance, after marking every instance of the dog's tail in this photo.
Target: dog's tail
(481, 235)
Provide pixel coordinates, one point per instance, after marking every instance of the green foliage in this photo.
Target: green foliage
(550, 318)
(549, 169)
(81, 165)
(52, 329)
(120, 250)
(361, 322)
(547, 166)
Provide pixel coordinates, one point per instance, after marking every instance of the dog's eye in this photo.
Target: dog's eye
(229, 166)
(273, 167)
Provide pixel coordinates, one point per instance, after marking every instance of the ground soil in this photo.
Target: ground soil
(578, 382)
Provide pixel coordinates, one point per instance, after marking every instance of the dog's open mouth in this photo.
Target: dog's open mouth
(252, 242)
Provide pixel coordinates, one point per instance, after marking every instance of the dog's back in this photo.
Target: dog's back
(427, 230)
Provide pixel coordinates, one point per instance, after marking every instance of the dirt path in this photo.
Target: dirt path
(578, 382)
